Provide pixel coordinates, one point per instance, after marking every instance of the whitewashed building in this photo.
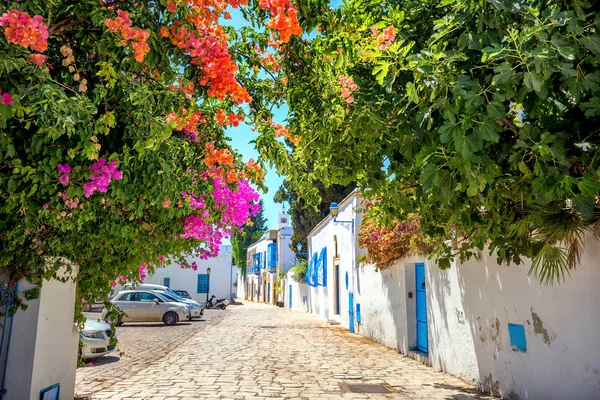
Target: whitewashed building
(199, 283)
(38, 352)
(487, 323)
(265, 258)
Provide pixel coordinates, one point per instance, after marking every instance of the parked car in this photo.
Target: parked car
(147, 306)
(183, 293)
(148, 286)
(196, 310)
(95, 339)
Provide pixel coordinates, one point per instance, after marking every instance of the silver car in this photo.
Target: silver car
(95, 339)
(147, 306)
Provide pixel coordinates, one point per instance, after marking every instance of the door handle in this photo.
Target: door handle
(423, 285)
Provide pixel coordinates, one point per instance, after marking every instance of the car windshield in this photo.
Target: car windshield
(168, 296)
(172, 294)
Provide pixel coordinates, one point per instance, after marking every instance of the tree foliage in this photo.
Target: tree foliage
(479, 116)
(245, 236)
(112, 146)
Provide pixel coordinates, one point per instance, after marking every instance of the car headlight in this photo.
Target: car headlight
(93, 335)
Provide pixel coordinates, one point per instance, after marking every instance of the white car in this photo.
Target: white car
(196, 310)
(95, 339)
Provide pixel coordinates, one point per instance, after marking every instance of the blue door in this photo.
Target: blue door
(351, 312)
(422, 344)
(290, 296)
(337, 289)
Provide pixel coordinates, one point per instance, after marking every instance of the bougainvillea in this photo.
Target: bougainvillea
(386, 243)
(113, 153)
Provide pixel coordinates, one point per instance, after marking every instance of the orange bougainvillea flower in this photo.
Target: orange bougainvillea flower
(225, 120)
(215, 158)
(24, 30)
(136, 36)
(284, 18)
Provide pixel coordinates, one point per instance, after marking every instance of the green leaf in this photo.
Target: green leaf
(591, 108)
(411, 92)
(588, 186)
(381, 71)
(533, 81)
(488, 131)
(496, 110)
(504, 73)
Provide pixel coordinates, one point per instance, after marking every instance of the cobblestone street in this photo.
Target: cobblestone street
(255, 351)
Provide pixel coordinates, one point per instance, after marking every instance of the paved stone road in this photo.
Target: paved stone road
(255, 351)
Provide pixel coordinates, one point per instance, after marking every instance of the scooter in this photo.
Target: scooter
(213, 302)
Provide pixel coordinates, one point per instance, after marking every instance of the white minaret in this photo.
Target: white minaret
(284, 219)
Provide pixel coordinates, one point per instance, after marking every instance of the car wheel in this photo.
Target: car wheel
(189, 317)
(170, 318)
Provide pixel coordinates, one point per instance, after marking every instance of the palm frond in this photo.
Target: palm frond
(550, 264)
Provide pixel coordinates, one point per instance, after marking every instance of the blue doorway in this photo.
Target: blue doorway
(422, 341)
(290, 296)
(351, 312)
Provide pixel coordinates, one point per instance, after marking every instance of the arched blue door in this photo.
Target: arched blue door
(422, 341)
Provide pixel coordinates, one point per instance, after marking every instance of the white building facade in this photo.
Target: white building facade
(265, 259)
(200, 283)
(487, 323)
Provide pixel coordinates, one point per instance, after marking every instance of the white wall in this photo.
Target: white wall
(222, 275)
(44, 342)
(471, 306)
(300, 293)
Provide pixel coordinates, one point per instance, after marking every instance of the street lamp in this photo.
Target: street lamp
(334, 209)
(300, 252)
(208, 284)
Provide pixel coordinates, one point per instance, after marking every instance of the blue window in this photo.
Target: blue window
(517, 337)
(203, 283)
(167, 282)
(272, 255)
(257, 263)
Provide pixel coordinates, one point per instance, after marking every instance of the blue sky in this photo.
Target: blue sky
(242, 136)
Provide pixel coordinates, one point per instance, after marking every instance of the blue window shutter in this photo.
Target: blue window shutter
(203, 283)
(517, 337)
(322, 271)
(272, 255)
(167, 282)
(310, 277)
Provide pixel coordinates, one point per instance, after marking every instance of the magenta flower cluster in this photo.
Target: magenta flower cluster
(64, 170)
(102, 174)
(235, 205)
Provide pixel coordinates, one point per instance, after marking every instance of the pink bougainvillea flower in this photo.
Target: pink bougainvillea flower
(7, 99)
(64, 179)
(64, 168)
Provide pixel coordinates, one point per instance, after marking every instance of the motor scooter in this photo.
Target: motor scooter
(213, 302)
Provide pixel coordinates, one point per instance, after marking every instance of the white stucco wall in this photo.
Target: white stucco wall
(300, 301)
(44, 342)
(471, 305)
(222, 275)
